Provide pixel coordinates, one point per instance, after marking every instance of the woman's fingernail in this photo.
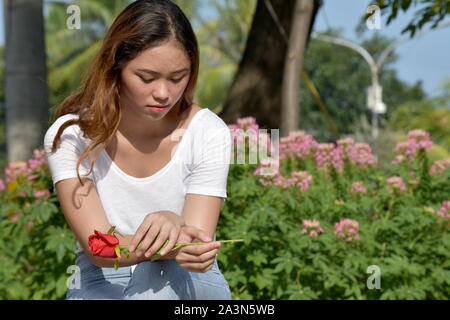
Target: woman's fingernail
(139, 253)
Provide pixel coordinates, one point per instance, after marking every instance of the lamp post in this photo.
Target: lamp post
(374, 92)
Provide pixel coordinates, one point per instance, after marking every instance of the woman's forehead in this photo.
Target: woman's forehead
(163, 59)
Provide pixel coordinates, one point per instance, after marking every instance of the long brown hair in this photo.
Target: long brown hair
(142, 25)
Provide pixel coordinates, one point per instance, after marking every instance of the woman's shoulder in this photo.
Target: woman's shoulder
(209, 121)
(72, 132)
(61, 120)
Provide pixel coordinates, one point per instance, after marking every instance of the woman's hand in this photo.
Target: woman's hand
(198, 258)
(156, 228)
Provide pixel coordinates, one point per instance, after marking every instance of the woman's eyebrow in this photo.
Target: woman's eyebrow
(157, 73)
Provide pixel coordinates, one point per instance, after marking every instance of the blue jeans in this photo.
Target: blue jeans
(151, 280)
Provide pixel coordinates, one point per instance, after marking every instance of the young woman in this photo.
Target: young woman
(154, 164)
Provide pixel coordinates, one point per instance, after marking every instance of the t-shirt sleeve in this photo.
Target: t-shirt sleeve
(63, 162)
(209, 175)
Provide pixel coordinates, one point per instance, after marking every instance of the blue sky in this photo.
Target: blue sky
(425, 58)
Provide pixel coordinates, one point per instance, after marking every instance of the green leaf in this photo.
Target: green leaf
(111, 230)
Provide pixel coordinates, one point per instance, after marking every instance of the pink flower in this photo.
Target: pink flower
(421, 138)
(30, 169)
(396, 185)
(298, 145)
(358, 187)
(439, 166)
(347, 229)
(361, 155)
(2, 185)
(247, 123)
(41, 193)
(245, 128)
(327, 156)
(268, 167)
(444, 211)
(312, 227)
(301, 179)
(15, 218)
(16, 168)
(408, 150)
(33, 176)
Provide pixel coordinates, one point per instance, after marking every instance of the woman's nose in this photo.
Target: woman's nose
(161, 92)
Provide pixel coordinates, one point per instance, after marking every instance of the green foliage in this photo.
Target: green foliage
(431, 12)
(37, 244)
(433, 118)
(400, 234)
(342, 77)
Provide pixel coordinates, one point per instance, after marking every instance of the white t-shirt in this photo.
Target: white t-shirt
(199, 165)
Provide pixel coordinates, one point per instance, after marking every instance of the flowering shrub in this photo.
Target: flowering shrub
(358, 187)
(439, 167)
(319, 235)
(408, 150)
(311, 227)
(347, 229)
(37, 244)
(444, 211)
(396, 185)
(313, 223)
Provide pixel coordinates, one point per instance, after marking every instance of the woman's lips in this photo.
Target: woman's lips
(157, 108)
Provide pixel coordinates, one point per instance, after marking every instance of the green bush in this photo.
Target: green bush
(399, 231)
(37, 243)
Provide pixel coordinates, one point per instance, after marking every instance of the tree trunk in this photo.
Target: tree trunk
(26, 97)
(257, 87)
(290, 101)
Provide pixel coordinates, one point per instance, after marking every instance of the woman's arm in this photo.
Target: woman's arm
(202, 212)
(84, 213)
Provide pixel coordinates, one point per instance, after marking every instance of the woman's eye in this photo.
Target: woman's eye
(173, 80)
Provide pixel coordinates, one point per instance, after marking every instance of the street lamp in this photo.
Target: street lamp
(374, 92)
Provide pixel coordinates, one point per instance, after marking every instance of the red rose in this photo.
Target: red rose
(103, 245)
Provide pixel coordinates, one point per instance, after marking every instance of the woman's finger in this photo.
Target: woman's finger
(162, 236)
(173, 236)
(202, 248)
(139, 235)
(198, 267)
(148, 239)
(186, 258)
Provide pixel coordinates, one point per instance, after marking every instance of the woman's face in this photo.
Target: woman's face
(156, 77)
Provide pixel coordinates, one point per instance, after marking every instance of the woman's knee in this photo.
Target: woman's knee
(166, 280)
(154, 280)
(210, 285)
